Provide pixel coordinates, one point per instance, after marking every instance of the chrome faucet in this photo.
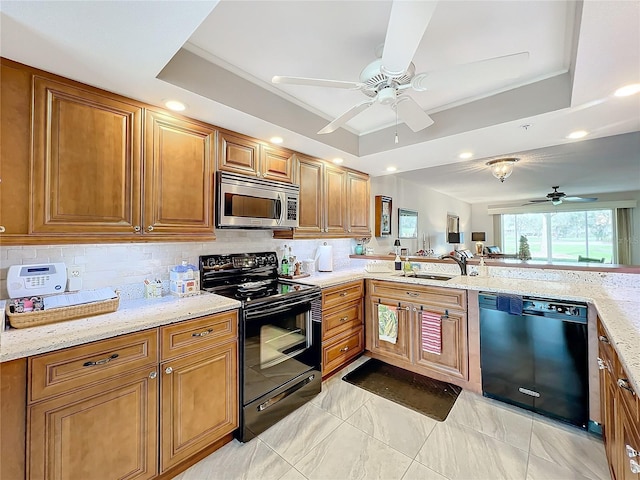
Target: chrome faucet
(462, 262)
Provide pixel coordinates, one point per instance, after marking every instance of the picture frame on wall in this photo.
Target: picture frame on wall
(383, 216)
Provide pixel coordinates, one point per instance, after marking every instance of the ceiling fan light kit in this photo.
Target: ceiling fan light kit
(502, 168)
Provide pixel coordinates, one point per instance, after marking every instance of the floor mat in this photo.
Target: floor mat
(417, 392)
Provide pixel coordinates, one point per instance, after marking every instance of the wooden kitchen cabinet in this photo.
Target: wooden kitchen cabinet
(342, 325)
(93, 410)
(199, 385)
(86, 160)
(247, 156)
(334, 201)
(409, 301)
(178, 178)
(358, 204)
(620, 412)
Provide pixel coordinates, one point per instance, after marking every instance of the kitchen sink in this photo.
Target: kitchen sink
(429, 276)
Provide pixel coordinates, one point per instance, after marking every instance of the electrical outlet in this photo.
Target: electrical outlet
(75, 271)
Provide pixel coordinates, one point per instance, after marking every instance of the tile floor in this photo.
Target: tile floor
(348, 433)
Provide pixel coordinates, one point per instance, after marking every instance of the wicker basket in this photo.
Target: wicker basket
(43, 317)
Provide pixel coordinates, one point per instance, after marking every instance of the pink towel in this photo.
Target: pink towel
(431, 333)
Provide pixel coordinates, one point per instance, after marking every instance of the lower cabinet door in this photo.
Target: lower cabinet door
(199, 402)
(398, 347)
(105, 432)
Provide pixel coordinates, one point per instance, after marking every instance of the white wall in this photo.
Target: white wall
(481, 221)
(128, 264)
(432, 208)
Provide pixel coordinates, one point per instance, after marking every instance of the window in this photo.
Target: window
(561, 236)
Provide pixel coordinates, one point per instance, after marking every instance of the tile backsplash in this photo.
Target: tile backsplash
(128, 264)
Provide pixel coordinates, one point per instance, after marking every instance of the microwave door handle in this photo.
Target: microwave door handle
(278, 212)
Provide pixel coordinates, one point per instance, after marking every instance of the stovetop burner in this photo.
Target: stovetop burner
(247, 277)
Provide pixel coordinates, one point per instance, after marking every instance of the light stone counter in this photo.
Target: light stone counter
(617, 306)
(131, 316)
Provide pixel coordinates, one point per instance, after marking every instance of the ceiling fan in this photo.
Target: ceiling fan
(386, 79)
(557, 198)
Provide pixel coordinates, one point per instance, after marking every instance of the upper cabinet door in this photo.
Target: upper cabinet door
(238, 154)
(86, 161)
(276, 164)
(178, 176)
(311, 195)
(359, 209)
(335, 200)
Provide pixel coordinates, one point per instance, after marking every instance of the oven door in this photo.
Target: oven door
(280, 343)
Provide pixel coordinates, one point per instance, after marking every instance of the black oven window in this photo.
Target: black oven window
(236, 205)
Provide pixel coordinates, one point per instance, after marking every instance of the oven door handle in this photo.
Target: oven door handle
(274, 308)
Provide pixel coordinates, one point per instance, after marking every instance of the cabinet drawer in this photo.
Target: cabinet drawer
(341, 319)
(417, 294)
(341, 294)
(185, 337)
(342, 349)
(71, 368)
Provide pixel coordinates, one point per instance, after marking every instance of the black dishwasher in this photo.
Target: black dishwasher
(536, 359)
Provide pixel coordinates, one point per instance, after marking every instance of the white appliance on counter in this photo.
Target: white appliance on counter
(37, 279)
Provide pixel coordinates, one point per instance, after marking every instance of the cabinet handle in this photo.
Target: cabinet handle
(601, 364)
(153, 375)
(349, 230)
(264, 175)
(604, 339)
(2, 230)
(168, 370)
(634, 466)
(344, 349)
(631, 452)
(150, 228)
(413, 294)
(100, 362)
(202, 334)
(624, 383)
(136, 228)
(343, 294)
(344, 319)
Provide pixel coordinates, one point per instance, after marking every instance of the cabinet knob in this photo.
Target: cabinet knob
(258, 174)
(624, 383)
(2, 230)
(344, 349)
(150, 228)
(264, 175)
(136, 228)
(631, 452)
(603, 339)
(634, 466)
(349, 230)
(153, 375)
(168, 370)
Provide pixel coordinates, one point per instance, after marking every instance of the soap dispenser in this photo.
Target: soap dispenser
(398, 262)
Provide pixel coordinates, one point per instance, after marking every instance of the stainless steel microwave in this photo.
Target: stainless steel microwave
(247, 202)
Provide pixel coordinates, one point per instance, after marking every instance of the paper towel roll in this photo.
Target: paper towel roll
(325, 258)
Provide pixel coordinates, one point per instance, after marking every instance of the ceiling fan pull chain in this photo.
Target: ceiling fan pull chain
(396, 109)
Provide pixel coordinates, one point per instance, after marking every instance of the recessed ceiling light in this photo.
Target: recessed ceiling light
(276, 140)
(628, 90)
(175, 105)
(577, 134)
(391, 169)
(465, 155)
(338, 160)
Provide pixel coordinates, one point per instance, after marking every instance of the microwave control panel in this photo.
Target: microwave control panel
(292, 208)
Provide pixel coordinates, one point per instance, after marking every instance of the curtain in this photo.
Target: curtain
(623, 230)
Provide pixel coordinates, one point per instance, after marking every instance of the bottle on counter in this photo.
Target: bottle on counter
(398, 262)
(284, 265)
(407, 266)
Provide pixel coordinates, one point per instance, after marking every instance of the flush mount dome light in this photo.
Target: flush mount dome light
(175, 105)
(465, 155)
(276, 140)
(577, 134)
(628, 90)
(501, 168)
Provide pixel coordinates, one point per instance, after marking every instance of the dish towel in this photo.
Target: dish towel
(509, 303)
(387, 324)
(431, 333)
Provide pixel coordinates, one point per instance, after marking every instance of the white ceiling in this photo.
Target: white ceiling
(123, 46)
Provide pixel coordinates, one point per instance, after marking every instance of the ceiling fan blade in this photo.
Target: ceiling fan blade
(407, 24)
(316, 82)
(538, 201)
(497, 68)
(580, 199)
(412, 114)
(346, 116)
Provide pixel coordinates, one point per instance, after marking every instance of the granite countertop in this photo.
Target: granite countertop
(617, 306)
(131, 316)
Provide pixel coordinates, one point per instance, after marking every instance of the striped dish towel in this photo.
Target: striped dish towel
(431, 333)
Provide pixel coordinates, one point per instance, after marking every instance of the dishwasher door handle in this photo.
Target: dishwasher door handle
(531, 393)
